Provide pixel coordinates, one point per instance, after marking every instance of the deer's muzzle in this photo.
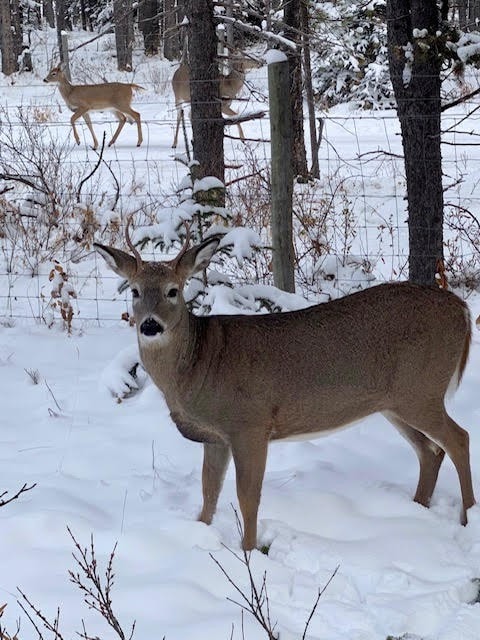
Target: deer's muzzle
(150, 327)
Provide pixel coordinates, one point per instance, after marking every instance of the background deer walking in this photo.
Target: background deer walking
(108, 96)
(230, 86)
(238, 382)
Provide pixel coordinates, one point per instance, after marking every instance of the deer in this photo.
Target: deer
(230, 86)
(107, 96)
(238, 382)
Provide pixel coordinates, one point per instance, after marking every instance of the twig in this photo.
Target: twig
(54, 399)
(95, 168)
(117, 185)
(320, 594)
(3, 633)
(23, 180)
(257, 603)
(24, 489)
(97, 597)
(460, 100)
(52, 627)
(256, 115)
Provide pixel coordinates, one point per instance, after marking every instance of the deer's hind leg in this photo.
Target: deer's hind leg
(430, 457)
(136, 118)
(180, 117)
(433, 421)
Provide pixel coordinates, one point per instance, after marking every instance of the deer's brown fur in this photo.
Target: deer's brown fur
(237, 382)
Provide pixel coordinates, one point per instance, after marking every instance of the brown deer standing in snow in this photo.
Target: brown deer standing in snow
(108, 96)
(230, 86)
(237, 382)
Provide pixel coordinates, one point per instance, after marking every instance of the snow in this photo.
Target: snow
(109, 462)
(273, 56)
(467, 46)
(204, 184)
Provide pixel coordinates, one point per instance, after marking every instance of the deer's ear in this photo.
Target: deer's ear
(122, 263)
(197, 258)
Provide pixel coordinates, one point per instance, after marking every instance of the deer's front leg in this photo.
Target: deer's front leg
(250, 458)
(215, 462)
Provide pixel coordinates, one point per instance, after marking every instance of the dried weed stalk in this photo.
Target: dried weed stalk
(97, 595)
(4, 635)
(254, 599)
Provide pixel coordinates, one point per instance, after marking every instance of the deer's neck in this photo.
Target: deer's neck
(172, 361)
(66, 89)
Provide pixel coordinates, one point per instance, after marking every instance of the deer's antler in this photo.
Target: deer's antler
(188, 235)
(130, 244)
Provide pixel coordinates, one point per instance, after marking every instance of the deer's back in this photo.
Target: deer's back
(335, 362)
(98, 97)
(315, 369)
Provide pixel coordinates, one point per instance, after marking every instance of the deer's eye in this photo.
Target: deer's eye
(172, 293)
(135, 293)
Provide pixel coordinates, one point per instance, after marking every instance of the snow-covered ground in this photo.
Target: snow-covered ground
(121, 472)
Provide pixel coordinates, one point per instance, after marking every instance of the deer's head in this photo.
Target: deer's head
(157, 287)
(56, 74)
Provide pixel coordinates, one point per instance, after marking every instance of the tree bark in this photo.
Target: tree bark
(283, 256)
(48, 13)
(173, 15)
(149, 25)
(123, 19)
(9, 56)
(61, 24)
(16, 13)
(207, 121)
(415, 71)
(292, 17)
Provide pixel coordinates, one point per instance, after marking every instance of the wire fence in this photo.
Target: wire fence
(352, 221)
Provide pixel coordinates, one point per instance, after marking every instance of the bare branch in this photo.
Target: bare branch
(320, 594)
(257, 115)
(460, 100)
(28, 607)
(257, 602)
(3, 633)
(95, 168)
(96, 595)
(24, 489)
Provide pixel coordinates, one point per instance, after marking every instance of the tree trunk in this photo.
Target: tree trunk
(16, 13)
(48, 13)
(292, 13)
(174, 11)
(207, 121)
(283, 255)
(123, 19)
(307, 67)
(9, 57)
(416, 83)
(149, 25)
(61, 24)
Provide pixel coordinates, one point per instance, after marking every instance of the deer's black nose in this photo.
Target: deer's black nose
(150, 327)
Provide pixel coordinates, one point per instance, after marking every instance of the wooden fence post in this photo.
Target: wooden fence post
(282, 173)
